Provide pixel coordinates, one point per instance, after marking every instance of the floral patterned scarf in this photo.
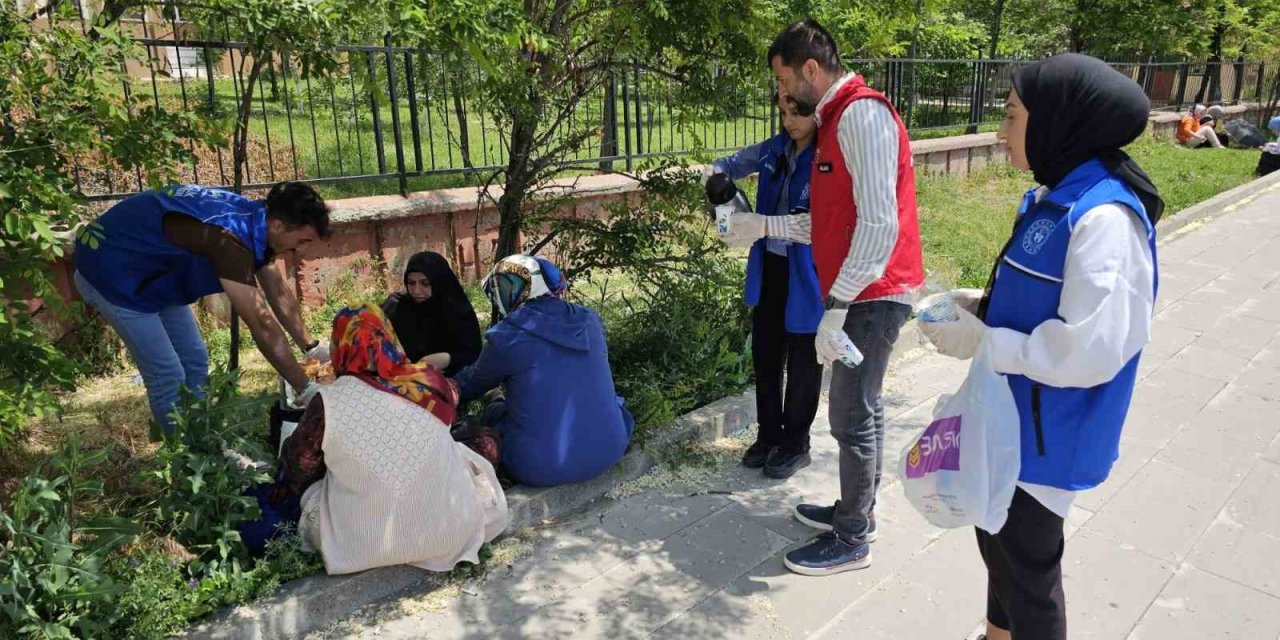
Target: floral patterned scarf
(365, 345)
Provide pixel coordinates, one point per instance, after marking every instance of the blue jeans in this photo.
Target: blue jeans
(166, 346)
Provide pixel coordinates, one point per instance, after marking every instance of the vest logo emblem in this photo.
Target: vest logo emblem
(1036, 236)
(824, 167)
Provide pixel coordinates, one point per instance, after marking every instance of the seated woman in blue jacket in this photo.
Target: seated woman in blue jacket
(782, 286)
(561, 421)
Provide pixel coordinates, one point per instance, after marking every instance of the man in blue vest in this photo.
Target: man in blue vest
(152, 255)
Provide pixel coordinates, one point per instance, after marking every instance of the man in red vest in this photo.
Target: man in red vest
(866, 243)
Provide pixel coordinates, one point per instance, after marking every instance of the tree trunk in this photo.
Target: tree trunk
(997, 15)
(1078, 27)
(1211, 89)
(240, 157)
(519, 178)
(464, 134)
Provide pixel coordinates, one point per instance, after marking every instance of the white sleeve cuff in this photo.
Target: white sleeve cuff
(1006, 350)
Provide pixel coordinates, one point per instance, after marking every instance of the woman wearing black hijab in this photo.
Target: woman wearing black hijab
(433, 317)
(1065, 316)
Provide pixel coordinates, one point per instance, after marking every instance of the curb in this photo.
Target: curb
(1197, 215)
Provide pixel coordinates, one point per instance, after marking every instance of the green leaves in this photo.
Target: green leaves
(51, 580)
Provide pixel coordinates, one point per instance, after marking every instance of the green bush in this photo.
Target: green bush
(66, 572)
(205, 464)
(670, 295)
(53, 582)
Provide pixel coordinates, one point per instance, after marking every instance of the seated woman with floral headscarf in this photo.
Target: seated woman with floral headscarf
(381, 480)
(561, 421)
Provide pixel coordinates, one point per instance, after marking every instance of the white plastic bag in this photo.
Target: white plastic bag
(962, 470)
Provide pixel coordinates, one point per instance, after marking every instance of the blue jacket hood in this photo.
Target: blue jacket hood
(561, 323)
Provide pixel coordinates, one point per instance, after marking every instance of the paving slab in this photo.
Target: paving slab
(1197, 605)
(1162, 511)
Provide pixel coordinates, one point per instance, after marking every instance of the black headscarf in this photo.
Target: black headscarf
(444, 323)
(1080, 108)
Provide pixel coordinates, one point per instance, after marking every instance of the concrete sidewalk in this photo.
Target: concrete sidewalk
(1182, 541)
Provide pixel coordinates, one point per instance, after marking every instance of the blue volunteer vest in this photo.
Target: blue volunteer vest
(804, 301)
(135, 267)
(1070, 436)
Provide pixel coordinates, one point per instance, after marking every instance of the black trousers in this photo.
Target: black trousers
(785, 412)
(1024, 572)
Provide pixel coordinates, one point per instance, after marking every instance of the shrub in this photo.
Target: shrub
(670, 294)
(53, 582)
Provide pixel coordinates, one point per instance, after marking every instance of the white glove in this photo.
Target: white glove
(832, 343)
(745, 228)
(967, 299)
(320, 353)
(303, 399)
(959, 338)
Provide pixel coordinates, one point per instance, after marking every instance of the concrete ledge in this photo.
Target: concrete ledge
(420, 203)
(954, 143)
(1188, 219)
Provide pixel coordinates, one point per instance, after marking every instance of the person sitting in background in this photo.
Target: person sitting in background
(1193, 134)
(433, 317)
(380, 478)
(561, 420)
(1213, 118)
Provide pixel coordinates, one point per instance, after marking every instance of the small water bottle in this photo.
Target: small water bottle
(934, 302)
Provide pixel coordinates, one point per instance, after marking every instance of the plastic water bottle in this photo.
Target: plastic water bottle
(850, 356)
(934, 302)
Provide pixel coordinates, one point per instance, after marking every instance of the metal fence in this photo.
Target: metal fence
(400, 119)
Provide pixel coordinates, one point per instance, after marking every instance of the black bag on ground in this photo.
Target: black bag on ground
(1245, 134)
(1267, 163)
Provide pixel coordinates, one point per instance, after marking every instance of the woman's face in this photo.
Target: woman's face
(1013, 131)
(799, 127)
(419, 286)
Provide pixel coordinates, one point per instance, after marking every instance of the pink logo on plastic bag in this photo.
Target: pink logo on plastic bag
(938, 448)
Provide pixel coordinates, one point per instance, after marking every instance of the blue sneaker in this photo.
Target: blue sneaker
(828, 555)
(820, 518)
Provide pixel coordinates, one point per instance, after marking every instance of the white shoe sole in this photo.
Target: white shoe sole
(822, 526)
(830, 571)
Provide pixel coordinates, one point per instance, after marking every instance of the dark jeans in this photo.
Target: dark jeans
(785, 415)
(857, 413)
(1024, 572)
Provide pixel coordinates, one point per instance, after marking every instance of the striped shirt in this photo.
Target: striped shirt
(868, 136)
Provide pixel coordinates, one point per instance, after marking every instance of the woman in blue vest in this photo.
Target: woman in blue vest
(150, 256)
(782, 286)
(1065, 317)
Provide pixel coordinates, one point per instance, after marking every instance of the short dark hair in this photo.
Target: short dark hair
(803, 41)
(298, 205)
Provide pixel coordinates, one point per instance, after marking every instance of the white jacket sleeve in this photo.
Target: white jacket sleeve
(1106, 307)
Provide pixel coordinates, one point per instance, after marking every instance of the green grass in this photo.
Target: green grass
(965, 221)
